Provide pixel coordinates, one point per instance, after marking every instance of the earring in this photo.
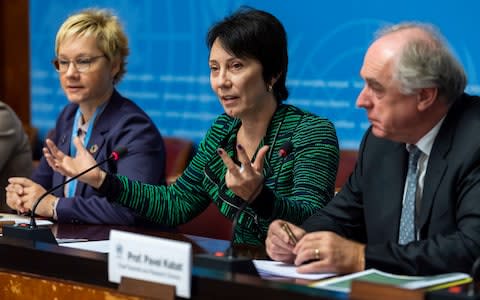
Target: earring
(269, 88)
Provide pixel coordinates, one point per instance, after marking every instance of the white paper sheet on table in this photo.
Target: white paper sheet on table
(96, 246)
(286, 270)
(22, 219)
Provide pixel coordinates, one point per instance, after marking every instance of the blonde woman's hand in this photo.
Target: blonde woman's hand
(71, 166)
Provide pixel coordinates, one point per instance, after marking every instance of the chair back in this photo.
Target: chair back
(179, 152)
(348, 159)
(210, 223)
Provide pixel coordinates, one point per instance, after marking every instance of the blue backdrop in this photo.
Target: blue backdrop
(168, 73)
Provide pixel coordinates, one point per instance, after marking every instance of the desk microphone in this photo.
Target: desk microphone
(44, 234)
(283, 152)
(230, 261)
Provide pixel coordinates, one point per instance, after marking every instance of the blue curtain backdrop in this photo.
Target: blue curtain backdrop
(168, 72)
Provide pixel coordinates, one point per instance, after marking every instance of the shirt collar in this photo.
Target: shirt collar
(426, 142)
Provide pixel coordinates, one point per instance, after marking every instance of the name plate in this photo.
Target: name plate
(151, 259)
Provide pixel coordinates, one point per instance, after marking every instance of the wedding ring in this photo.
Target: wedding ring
(317, 254)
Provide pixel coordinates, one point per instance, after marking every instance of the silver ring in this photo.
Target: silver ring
(241, 169)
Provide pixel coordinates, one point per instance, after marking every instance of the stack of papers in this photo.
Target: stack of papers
(269, 267)
(5, 218)
(343, 283)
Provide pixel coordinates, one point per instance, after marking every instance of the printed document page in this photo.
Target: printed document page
(286, 270)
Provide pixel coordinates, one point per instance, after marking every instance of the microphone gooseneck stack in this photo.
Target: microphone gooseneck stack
(33, 232)
(228, 261)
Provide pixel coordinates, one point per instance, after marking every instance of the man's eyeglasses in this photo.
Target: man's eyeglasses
(81, 64)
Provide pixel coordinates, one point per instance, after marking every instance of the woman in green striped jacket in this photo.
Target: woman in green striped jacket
(276, 158)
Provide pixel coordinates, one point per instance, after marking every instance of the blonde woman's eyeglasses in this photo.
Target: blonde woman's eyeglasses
(81, 64)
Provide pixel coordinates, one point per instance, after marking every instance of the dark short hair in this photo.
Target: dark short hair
(252, 33)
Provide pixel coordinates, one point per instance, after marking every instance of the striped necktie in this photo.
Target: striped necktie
(406, 232)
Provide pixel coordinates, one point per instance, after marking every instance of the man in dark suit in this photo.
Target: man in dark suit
(422, 221)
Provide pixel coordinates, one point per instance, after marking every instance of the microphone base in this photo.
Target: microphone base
(26, 232)
(226, 264)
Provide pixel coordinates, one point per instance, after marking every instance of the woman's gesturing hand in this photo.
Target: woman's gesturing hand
(71, 166)
(246, 180)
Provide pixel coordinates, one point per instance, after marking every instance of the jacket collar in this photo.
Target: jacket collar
(437, 164)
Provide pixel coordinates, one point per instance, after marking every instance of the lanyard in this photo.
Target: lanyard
(72, 186)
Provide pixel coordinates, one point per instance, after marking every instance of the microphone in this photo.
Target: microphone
(285, 150)
(44, 234)
(228, 261)
(230, 251)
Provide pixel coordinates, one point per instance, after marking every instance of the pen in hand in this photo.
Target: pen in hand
(291, 237)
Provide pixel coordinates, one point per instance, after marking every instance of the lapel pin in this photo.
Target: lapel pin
(93, 148)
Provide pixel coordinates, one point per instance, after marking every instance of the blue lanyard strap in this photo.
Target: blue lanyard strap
(73, 151)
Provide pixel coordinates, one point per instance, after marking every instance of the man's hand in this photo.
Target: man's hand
(279, 244)
(328, 252)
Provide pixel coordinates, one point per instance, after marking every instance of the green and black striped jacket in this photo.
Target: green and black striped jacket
(296, 185)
